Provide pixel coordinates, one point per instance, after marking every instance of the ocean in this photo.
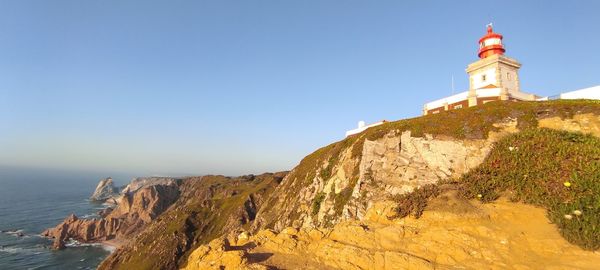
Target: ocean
(32, 200)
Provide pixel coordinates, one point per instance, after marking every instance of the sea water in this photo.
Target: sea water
(32, 200)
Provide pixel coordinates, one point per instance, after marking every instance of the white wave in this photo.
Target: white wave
(15, 250)
(72, 243)
(11, 250)
(18, 233)
(109, 248)
(13, 231)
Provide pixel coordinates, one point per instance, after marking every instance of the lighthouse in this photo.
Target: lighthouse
(494, 76)
(494, 70)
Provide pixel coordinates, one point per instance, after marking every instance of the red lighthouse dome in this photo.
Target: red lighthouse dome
(490, 44)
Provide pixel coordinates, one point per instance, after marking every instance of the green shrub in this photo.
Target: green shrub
(316, 205)
(414, 203)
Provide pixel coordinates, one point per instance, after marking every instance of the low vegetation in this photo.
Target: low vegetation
(557, 170)
(414, 203)
(316, 205)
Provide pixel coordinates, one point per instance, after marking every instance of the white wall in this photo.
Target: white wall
(587, 93)
(490, 77)
(509, 81)
(449, 100)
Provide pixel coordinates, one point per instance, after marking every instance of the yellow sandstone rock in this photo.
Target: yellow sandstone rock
(451, 234)
(588, 123)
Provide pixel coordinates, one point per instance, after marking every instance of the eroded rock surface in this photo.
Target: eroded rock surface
(452, 233)
(142, 182)
(105, 190)
(395, 164)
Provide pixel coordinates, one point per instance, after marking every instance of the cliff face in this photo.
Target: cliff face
(396, 195)
(105, 190)
(343, 180)
(345, 205)
(452, 232)
(141, 182)
(133, 212)
(208, 207)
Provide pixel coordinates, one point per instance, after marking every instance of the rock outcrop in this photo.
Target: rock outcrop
(452, 232)
(394, 164)
(133, 212)
(141, 182)
(208, 207)
(105, 190)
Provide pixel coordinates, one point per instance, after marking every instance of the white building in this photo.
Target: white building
(362, 127)
(586, 93)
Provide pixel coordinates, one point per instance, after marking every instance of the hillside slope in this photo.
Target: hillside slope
(340, 181)
(356, 204)
(375, 179)
(208, 207)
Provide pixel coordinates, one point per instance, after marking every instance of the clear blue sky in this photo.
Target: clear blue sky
(233, 87)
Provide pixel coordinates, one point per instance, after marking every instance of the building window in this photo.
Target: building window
(508, 75)
(483, 77)
(458, 106)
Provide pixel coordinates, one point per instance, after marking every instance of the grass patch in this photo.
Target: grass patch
(557, 170)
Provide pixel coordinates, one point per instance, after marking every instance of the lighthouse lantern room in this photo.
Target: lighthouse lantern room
(490, 44)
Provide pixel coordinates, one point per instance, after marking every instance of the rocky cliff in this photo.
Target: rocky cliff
(506, 183)
(453, 233)
(133, 212)
(343, 180)
(396, 195)
(208, 207)
(142, 182)
(105, 190)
